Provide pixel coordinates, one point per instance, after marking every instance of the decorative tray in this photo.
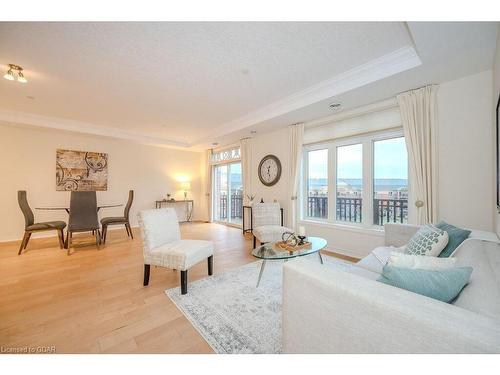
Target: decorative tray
(287, 247)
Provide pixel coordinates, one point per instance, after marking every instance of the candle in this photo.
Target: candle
(302, 231)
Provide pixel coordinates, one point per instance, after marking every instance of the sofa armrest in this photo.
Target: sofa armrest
(327, 310)
(399, 234)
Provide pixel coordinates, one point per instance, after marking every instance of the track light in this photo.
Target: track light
(21, 78)
(10, 73)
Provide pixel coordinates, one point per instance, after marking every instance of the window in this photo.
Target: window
(227, 186)
(360, 181)
(349, 184)
(390, 181)
(317, 184)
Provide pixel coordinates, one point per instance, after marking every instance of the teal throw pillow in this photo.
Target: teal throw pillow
(455, 237)
(443, 284)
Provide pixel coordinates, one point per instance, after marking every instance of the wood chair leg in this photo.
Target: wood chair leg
(97, 239)
(60, 235)
(25, 240)
(130, 230)
(254, 242)
(210, 261)
(104, 233)
(69, 237)
(184, 282)
(26, 243)
(146, 274)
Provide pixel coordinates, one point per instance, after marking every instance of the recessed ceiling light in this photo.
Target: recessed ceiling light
(215, 144)
(336, 106)
(10, 75)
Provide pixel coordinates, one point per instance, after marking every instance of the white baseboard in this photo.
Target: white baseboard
(53, 233)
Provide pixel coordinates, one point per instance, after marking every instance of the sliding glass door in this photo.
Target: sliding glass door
(228, 193)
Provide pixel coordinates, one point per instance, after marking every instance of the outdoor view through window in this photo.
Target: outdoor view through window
(390, 182)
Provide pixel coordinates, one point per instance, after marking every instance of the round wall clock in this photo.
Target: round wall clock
(269, 170)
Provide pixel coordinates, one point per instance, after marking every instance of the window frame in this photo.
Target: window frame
(368, 156)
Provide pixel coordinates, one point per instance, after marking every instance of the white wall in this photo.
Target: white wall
(276, 143)
(28, 163)
(466, 153)
(465, 176)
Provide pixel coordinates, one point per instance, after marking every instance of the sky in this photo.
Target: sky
(390, 161)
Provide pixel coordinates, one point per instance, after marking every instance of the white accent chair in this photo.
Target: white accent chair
(267, 222)
(162, 245)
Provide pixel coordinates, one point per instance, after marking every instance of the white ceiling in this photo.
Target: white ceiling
(190, 84)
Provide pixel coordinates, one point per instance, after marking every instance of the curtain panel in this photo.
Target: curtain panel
(296, 141)
(246, 168)
(419, 116)
(208, 183)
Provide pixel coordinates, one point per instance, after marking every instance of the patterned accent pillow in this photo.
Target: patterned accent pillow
(429, 241)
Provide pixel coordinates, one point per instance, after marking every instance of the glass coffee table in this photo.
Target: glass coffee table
(271, 251)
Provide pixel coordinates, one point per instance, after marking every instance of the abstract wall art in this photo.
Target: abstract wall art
(81, 171)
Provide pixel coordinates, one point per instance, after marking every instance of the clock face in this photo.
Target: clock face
(269, 170)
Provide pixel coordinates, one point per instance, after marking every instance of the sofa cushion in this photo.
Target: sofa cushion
(377, 259)
(443, 284)
(482, 295)
(455, 237)
(429, 241)
(421, 262)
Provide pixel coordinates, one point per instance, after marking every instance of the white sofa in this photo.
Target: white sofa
(327, 309)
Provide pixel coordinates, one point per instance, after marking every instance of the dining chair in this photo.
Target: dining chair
(121, 220)
(30, 226)
(83, 216)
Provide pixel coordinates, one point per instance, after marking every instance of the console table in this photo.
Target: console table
(189, 207)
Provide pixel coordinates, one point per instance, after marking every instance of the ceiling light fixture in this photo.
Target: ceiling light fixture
(15, 69)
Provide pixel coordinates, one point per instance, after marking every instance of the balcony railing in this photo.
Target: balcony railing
(236, 206)
(351, 209)
(317, 207)
(390, 211)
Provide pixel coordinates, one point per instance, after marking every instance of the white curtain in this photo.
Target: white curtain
(246, 167)
(208, 184)
(296, 141)
(419, 115)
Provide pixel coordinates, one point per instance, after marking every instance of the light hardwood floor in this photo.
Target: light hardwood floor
(93, 301)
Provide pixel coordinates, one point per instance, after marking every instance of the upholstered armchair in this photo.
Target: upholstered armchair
(163, 246)
(267, 223)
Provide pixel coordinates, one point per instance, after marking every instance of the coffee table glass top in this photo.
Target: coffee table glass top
(272, 251)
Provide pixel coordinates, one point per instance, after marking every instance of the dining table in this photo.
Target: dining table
(66, 208)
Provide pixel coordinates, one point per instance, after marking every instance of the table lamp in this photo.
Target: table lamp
(186, 186)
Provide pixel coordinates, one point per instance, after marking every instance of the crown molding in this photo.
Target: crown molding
(375, 70)
(22, 118)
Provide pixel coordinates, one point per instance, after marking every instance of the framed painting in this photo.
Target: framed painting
(81, 171)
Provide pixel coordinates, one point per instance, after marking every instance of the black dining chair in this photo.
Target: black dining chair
(122, 220)
(30, 226)
(83, 216)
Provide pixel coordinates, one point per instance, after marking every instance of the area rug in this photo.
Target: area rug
(234, 316)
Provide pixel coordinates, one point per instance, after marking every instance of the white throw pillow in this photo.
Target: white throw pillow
(429, 241)
(398, 259)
